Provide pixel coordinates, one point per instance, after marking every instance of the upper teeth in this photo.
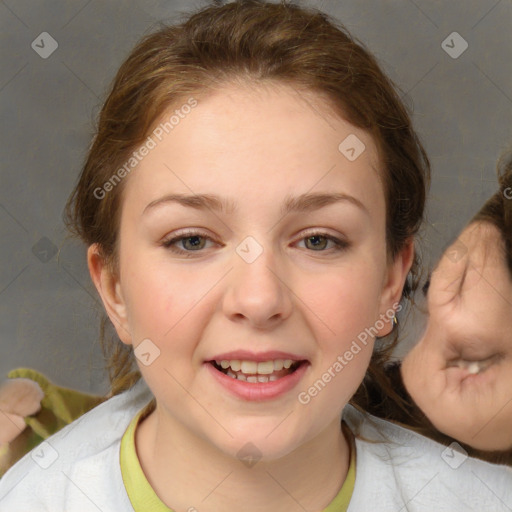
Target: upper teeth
(253, 367)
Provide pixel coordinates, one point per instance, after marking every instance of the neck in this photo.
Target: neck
(188, 473)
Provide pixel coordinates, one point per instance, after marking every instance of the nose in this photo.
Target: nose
(257, 294)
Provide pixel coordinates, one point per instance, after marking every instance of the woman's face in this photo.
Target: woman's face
(249, 235)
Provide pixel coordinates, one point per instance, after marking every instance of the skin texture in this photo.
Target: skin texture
(254, 147)
(470, 322)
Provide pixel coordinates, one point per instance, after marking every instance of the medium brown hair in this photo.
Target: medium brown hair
(259, 43)
(498, 209)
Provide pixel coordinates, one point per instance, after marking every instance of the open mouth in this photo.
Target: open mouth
(253, 372)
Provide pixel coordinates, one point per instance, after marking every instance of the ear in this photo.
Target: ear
(109, 289)
(395, 277)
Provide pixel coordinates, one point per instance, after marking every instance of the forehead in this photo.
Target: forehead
(256, 143)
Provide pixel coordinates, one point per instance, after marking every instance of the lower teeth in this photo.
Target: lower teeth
(252, 378)
(255, 378)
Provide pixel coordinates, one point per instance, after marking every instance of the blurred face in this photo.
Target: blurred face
(252, 256)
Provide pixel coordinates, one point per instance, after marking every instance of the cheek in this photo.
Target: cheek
(343, 305)
(162, 300)
(345, 298)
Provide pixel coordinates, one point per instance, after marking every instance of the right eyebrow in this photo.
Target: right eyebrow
(197, 201)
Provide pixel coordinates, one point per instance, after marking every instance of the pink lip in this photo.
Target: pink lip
(258, 391)
(245, 355)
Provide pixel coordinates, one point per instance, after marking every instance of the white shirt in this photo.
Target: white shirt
(77, 469)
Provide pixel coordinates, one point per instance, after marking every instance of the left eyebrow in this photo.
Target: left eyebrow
(310, 202)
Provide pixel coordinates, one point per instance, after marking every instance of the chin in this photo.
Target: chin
(255, 444)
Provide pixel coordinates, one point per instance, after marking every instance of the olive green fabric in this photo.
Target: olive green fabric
(59, 407)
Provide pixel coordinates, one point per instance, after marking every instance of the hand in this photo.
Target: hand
(460, 372)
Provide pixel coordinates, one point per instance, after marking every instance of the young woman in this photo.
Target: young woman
(250, 203)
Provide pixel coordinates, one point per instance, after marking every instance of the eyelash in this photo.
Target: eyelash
(339, 245)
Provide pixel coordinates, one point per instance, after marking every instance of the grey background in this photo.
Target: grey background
(48, 315)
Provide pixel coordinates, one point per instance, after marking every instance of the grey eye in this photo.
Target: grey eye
(196, 242)
(319, 242)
